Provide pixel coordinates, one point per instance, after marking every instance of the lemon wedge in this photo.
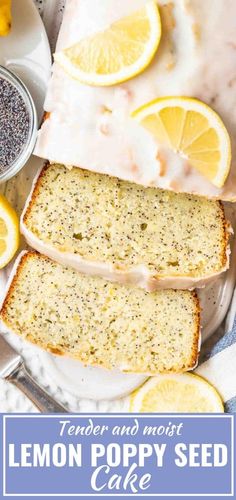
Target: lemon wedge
(182, 393)
(192, 129)
(9, 232)
(117, 54)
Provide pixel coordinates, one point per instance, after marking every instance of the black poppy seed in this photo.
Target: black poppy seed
(14, 124)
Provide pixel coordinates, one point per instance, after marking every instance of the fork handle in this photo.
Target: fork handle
(39, 397)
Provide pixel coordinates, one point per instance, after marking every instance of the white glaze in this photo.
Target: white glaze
(203, 52)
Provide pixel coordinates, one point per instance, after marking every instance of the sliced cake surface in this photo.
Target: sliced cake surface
(101, 323)
(125, 232)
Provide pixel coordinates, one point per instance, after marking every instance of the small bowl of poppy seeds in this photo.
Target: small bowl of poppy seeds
(18, 124)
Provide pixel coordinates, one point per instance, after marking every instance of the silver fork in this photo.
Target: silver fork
(13, 370)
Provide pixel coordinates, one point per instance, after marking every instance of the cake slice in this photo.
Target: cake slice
(125, 232)
(101, 323)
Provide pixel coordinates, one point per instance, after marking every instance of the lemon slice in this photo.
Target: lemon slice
(184, 393)
(9, 232)
(192, 129)
(120, 52)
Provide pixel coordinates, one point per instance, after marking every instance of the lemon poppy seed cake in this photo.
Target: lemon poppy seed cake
(125, 232)
(99, 322)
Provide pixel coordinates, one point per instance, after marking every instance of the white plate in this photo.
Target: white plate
(216, 297)
(32, 61)
(89, 382)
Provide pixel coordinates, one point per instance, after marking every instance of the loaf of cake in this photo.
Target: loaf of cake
(101, 323)
(125, 232)
(91, 126)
